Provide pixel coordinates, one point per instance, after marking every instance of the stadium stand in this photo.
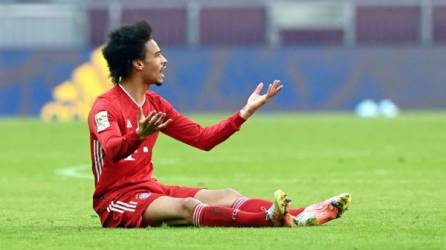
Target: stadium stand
(329, 54)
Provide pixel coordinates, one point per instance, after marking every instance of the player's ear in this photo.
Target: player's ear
(138, 64)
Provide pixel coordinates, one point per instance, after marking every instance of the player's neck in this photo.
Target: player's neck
(136, 90)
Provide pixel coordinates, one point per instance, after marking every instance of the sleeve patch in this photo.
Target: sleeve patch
(102, 122)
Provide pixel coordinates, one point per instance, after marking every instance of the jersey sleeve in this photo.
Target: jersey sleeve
(103, 123)
(185, 130)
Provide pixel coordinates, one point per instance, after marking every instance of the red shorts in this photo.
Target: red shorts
(126, 209)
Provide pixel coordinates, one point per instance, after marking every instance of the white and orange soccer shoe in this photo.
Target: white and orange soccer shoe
(324, 211)
(279, 209)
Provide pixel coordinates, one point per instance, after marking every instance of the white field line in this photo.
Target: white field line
(78, 171)
(83, 172)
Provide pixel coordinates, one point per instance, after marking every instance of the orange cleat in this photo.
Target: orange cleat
(324, 211)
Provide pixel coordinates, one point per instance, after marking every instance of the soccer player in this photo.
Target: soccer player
(124, 125)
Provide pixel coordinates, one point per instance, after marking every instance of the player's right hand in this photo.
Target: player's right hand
(151, 123)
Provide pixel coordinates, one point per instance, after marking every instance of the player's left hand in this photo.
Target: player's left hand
(256, 100)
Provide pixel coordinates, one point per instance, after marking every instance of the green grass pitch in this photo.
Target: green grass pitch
(395, 170)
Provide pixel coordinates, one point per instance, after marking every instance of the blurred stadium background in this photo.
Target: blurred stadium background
(329, 54)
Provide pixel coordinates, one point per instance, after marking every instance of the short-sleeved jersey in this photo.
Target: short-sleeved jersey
(121, 161)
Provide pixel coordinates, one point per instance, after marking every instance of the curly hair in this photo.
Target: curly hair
(125, 45)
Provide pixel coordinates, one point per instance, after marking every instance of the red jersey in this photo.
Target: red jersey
(120, 160)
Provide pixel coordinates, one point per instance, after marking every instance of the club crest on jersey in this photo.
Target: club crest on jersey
(129, 124)
(102, 122)
(142, 196)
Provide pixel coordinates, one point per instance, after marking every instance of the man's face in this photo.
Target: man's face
(154, 64)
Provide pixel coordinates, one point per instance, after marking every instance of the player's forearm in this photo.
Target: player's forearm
(213, 135)
(205, 138)
(247, 112)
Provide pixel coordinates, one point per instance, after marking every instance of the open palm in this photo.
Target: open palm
(257, 100)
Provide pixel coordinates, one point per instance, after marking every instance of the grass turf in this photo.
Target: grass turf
(395, 170)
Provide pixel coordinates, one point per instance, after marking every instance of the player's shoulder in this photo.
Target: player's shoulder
(107, 99)
(152, 94)
(105, 103)
(155, 97)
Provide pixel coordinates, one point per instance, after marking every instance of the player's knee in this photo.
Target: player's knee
(230, 193)
(187, 207)
(228, 197)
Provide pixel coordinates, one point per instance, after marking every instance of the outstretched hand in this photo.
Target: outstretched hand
(256, 100)
(154, 121)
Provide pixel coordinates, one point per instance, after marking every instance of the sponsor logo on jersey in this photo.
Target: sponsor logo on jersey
(142, 196)
(129, 158)
(102, 122)
(129, 124)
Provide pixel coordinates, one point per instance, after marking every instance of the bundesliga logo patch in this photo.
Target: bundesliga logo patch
(142, 196)
(102, 122)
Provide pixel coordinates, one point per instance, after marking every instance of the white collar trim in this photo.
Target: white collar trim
(131, 98)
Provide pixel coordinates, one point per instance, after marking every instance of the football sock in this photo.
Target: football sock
(214, 216)
(256, 205)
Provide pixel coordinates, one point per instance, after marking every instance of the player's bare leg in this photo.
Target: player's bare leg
(165, 208)
(219, 197)
(188, 211)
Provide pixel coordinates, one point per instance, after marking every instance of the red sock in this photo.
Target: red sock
(255, 205)
(214, 216)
